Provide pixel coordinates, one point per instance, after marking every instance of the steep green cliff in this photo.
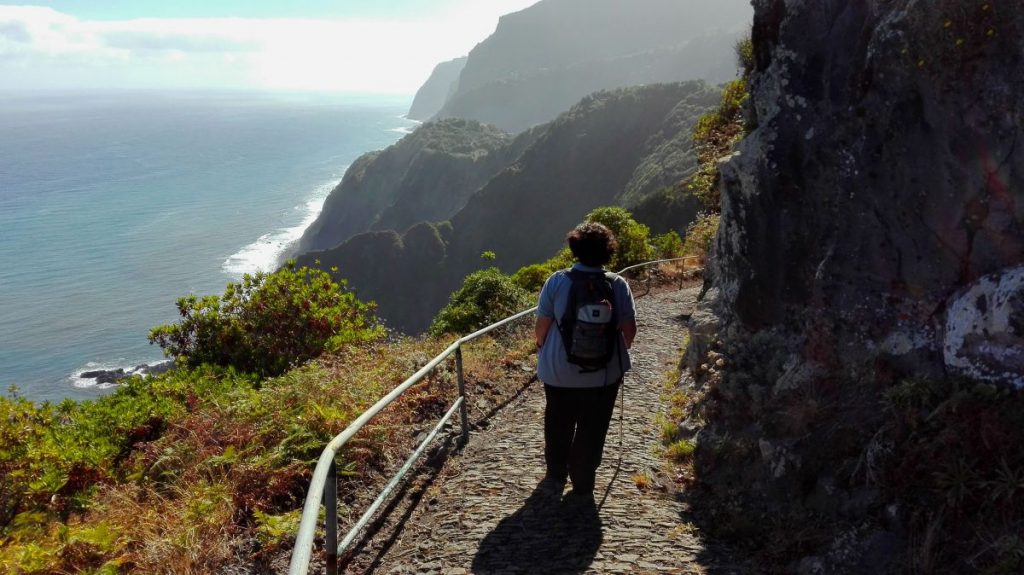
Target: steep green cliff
(599, 153)
(427, 175)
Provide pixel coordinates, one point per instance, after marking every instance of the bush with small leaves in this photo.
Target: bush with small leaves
(668, 245)
(268, 323)
(485, 297)
(700, 235)
(745, 59)
(532, 277)
(634, 247)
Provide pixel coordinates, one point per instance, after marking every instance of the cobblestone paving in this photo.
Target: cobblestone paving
(485, 515)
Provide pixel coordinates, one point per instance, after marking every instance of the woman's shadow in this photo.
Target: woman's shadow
(544, 536)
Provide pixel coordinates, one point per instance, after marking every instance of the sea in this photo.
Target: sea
(114, 205)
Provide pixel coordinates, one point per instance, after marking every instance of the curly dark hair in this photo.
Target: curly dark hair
(592, 244)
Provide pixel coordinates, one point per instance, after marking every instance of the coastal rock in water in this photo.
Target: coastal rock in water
(111, 376)
(154, 369)
(105, 376)
(984, 336)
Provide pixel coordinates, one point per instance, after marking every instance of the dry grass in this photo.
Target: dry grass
(643, 481)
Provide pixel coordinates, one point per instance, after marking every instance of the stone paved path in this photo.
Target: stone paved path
(485, 516)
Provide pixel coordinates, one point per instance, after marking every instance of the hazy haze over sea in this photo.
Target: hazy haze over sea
(114, 205)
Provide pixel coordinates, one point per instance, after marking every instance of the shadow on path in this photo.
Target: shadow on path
(544, 536)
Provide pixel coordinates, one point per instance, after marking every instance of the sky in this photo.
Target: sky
(352, 46)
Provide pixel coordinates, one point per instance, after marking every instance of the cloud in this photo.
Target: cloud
(15, 32)
(42, 47)
(135, 40)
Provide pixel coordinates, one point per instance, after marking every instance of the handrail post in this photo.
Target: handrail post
(463, 412)
(331, 503)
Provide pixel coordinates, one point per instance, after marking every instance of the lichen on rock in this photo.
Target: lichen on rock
(984, 336)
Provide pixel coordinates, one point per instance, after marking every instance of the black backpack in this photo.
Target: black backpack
(589, 327)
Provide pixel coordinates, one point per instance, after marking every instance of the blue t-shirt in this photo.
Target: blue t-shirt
(553, 367)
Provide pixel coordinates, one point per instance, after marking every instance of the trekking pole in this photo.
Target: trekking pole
(622, 414)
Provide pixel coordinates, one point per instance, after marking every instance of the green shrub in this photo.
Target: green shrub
(633, 236)
(532, 277)
(704, 186)
(711, 127)
(700, 235)
(485, 297)
(268, 322)
(745, 55)
(668, 245)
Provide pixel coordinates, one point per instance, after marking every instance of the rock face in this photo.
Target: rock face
(869, 257)
(886, 174)
(435, 91)
(543, 59)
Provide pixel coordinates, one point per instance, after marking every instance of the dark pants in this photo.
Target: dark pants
(575, 425)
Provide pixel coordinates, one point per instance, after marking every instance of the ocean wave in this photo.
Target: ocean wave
(264, 254)
(402, 130)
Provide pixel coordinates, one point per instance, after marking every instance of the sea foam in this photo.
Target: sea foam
(264, 254)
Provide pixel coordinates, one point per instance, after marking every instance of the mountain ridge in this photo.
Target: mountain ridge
(587, 158)
(543, 59)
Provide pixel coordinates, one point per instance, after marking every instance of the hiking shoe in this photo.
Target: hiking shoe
(578, 498)
(551, 487)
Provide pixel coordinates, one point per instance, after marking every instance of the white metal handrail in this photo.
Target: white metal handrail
(323, 487)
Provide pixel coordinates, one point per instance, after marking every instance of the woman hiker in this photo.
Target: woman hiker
(587, 307)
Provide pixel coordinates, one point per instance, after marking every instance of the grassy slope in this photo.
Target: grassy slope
(193, 471)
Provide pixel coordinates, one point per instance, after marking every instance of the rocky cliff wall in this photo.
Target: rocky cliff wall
(884, 181)
(858, 356)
